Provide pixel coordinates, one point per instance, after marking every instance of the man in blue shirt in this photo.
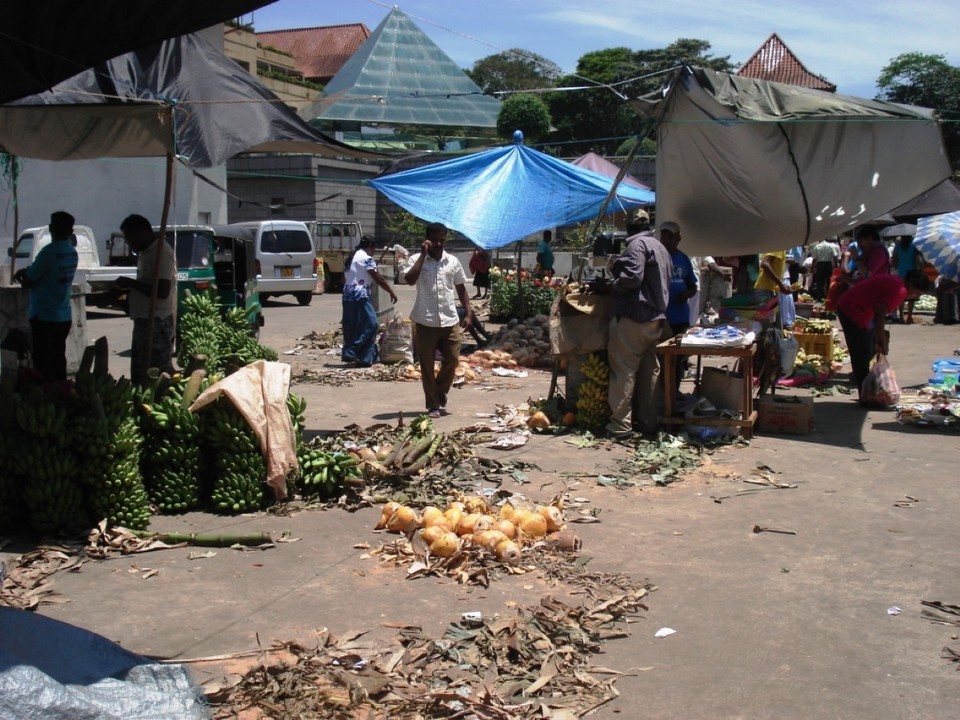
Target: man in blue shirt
(683, 286)
(50, 279)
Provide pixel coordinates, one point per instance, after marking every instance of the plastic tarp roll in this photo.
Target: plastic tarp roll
(50, 670)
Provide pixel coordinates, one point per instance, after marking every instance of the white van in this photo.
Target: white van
(286, 260)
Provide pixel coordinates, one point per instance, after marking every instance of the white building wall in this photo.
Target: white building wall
(100, 193)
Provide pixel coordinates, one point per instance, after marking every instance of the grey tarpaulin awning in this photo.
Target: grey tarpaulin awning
(182, 96)
(43, 43)
(746, 165)
(943, 198)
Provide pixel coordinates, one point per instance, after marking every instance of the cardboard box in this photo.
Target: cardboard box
(785, 415)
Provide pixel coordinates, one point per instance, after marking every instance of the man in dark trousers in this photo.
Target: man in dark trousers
(50, 279)
(440, 282)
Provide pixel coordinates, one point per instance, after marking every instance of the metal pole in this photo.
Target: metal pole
(161, 238)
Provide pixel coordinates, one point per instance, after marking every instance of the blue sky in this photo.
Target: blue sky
(846, 41)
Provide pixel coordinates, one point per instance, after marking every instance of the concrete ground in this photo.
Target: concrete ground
(768, 625)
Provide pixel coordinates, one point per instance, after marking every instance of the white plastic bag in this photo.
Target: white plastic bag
(396, 342)
(789, 347)
(880, 388)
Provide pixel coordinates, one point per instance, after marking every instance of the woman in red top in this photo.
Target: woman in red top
(862, 310)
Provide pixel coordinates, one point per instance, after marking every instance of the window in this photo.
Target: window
(349, 207)
(278, 206)
(285, 241)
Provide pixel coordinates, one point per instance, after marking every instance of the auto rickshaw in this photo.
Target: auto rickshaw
(193, 246)
(235, 269)
(223, 263)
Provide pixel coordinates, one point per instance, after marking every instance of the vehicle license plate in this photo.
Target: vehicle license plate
(286, 272)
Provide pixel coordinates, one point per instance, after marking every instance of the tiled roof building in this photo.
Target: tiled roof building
(775, 62)
(319, 52)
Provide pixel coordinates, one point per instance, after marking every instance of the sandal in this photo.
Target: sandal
(433, 412)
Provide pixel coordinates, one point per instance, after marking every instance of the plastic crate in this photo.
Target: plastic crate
(816, 344)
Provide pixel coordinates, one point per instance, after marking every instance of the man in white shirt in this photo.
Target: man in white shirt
(440, 282)
(150, 348)
(826, 256)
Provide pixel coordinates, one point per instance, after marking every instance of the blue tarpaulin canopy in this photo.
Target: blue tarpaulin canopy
(502, 195)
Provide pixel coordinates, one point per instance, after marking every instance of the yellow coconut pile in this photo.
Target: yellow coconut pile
(501, 532)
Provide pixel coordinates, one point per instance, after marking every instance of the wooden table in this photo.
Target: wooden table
(671, 348)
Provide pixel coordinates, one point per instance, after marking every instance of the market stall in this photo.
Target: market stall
(735, 409)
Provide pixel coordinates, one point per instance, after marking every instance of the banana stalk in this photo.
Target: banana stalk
(418, 449)
(204, 540)
(422, 461)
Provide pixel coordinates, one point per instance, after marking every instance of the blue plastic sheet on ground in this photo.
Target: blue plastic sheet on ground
(50, 670)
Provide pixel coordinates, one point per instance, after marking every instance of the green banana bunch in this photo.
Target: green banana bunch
(236, 464)
(170, 458)
(222, 335)
(297, 407)
(324, 473)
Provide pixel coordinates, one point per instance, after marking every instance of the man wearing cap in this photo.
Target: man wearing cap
(50, 279)
(638, 295)
(360, 324)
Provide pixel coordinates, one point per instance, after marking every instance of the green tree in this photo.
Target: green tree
(599, 119)
(406, 229)
(929, 81)
(514, 70)
(524, 112)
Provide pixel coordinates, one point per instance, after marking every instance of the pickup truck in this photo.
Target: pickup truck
(335, 241)
(99, 279)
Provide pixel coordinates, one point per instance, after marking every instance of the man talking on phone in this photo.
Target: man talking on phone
(440, 282)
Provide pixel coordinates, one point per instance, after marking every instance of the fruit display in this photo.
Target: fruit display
(222, 337)
(593, 410)
(43, 464)
(813, 326)
(297, 407)
(235, 460)
(107, 441)
(473, 522)
(325, 474)
(170, 458)
(523, 343)
(76, 453)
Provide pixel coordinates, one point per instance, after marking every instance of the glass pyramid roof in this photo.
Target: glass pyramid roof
(400, 76)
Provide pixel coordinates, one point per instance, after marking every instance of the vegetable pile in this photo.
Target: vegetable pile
(518, 343)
